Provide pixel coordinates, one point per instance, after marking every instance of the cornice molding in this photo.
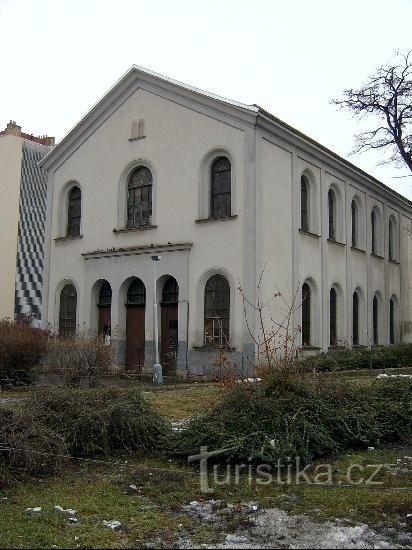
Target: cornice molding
(137, 250)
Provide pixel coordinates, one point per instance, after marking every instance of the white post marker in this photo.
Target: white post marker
(157, 367)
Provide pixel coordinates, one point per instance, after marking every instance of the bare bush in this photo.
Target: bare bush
(27, 446)
(80, 359)
(276, 336)
(22, 348)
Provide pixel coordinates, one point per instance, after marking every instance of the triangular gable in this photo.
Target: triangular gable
(119, 93)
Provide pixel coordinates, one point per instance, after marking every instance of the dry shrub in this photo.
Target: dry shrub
(80, 359)
(22, 348)
(28, 447)
(101, 420)
(305, 416)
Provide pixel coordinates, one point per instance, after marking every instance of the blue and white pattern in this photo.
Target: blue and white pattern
(30, 246)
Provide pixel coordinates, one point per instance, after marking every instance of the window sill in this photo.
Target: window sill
(334, 241)
(356, 249)
(309, 233)
(213, 348)
(378, 256)
(396, 262)
(224, 219)
(68, 238)
(134, 229)
(309, 348)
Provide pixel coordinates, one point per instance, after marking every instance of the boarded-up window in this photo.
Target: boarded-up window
(67, 313)
(217, 311)
(333, 320)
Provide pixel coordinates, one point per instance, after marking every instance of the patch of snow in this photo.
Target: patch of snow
(394, 376)
(112, 524)
(34, 510)
(68, 511)
(249, 380)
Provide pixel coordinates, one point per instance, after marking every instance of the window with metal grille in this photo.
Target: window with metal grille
(355, 319)
(105, 295)
(306, 307)
(392, 321)
(136, 295)
(391, 240)
(304, 203)
(332, 208)
(170, 294)
(333, 324)
(217, 311)
(139, 198)
(375, 313)
(354, 210)
(220, 188)
(373, 231)
(67, 313)
(74, 212)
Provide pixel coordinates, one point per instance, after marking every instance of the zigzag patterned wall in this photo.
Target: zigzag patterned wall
(32, 212)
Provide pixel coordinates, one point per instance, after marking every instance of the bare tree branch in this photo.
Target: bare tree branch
(387, 96)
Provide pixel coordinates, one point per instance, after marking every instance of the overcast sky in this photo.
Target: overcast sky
(291, 57)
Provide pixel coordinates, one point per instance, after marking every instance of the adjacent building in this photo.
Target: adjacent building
(222, 191)
(23, 209)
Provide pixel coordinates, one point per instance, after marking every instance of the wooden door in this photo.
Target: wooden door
(169, 337)
(135, 336)
(104, 319)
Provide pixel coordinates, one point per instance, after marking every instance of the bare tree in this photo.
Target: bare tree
(387, 96)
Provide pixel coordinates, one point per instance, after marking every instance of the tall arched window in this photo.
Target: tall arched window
(217, 311)
(374, 232)
(375, 320)
(304, 203)
(332, 214)
(74, 212)
(306, 313)
(354, 211)
(392, 245)
(333, 317)
(67, 312)
(392, 321)
(139, 198)
(355, 319)
(220, 188)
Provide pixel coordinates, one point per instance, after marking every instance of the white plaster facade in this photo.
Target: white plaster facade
(184, 129)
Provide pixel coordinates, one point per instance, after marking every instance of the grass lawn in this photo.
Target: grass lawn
(151, 512)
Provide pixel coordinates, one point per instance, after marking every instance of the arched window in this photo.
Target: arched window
(375, 320)
(355, 223)
(74, 212)
(170, 294)
(139, 198)
(105, 295)
(67, 313)
(355, 319)
(333, 317)
(136, 295)
(332, 214)
(306, 313)
(375, 232)
(304, 203)
(392, 240)
(220, 188)
(392, 321)
(217, 311)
